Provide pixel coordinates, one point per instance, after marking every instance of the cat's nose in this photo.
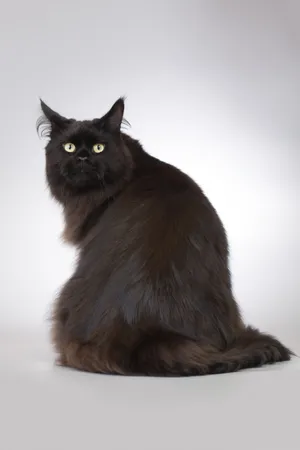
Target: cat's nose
(81, 158)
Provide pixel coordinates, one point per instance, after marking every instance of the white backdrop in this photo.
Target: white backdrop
(211, 86)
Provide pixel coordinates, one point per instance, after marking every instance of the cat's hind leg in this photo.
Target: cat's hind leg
(89, 357)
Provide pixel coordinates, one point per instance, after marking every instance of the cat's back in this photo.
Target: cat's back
(151, 244)
(162, 207)
(170, 198)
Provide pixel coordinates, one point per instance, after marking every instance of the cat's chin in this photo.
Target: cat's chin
(80, 178)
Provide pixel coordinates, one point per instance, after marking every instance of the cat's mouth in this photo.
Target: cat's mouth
(83, 166)
(81, 174)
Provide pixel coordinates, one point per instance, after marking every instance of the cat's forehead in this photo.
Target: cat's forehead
(83, 131)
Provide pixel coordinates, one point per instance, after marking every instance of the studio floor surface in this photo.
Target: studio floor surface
(44, 407)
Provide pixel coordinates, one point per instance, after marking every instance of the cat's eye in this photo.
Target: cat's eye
(98, 148)
(69, 147)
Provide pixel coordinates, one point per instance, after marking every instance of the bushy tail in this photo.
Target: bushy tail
(181, 357)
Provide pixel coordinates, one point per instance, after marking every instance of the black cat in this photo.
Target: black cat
(151, 293)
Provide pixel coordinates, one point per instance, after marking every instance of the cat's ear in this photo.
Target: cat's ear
(56, 121)
(112, 120)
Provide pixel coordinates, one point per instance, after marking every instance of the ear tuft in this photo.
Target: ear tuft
(43, 127)
(50, 121)
(114, 118)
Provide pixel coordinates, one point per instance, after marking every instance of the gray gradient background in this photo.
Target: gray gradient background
(212, 86)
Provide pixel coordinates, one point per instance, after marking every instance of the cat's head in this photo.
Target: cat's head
(85, 155)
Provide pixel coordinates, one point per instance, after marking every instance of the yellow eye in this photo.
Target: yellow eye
(98, 148)
(69, 147)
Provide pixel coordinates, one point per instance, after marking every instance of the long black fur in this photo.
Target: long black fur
(151, 292)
